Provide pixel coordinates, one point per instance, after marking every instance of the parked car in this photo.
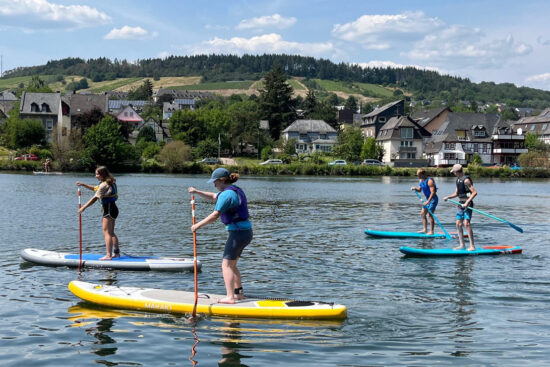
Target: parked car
(210, 161)
(272, 161)
(27, 157)
(338, 162)
(372, 162)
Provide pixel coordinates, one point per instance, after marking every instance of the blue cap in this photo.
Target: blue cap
(218, 173)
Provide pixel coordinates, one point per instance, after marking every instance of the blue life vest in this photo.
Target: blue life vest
(112, 197)
(238, 213)
(425, 188)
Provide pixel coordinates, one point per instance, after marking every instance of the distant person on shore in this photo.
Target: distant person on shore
(231, 207)
(47, 165)
(427, 186)
(107, 193)
(466, 193)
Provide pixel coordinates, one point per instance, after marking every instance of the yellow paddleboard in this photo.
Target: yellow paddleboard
(180, 302)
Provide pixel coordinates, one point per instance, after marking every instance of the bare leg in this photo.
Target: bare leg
(424, 220)
(432, 225)
(459, 225)
(231, 277)
(470, 235)
(109, 233)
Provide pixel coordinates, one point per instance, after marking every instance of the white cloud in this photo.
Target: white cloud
(542, 41)
(539, 78)
(164, 54)
(41, 14)
(130, 33)
(383, 31)
(461, 46)
(268, 21)
(268, 43)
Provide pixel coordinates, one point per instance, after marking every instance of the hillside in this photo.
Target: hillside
(226, 73)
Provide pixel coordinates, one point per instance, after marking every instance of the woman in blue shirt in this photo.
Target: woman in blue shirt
(231, 207)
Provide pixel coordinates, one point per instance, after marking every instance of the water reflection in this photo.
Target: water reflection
(464, 306)
(231, 346)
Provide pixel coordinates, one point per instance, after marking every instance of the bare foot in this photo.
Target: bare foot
(422, 231)
(239, 297)
(459, 248)
(106, 257)
(430, 233)
(228, 300)
(471, 248)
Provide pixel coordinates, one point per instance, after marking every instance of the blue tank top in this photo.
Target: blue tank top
(425, 188)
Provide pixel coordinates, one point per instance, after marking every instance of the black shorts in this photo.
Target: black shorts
(110, 210)
(236, 242)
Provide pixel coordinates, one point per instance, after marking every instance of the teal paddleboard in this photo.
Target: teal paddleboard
(485, 250)
(397, 234)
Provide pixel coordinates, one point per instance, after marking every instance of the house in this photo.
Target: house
(431, 119)
(402, 139)
(161, 130)
(461, 136)
(130, 118)
(373, 121)
(7, 102)
(345, 116)
(539, 125)
(168, 108)
(117, 105)
(45, 107)
(524, 111)
(311, 136)
(181, 94)
(508, 143)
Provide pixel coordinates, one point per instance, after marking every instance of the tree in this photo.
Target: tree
(310, 102)
(534, 144)
(350, 142)
(23, 133)
(276, 103)
(87, 119)
(105, 145)
(142, 93)
(243, 126)
(147, 133)
(371, 150)
(206, 148)
(326, 112)
(351, 104)
(185, 126)
(174, 155)
(509, 114)
(37, 85)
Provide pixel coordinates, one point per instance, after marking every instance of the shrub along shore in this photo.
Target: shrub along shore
(309, 169)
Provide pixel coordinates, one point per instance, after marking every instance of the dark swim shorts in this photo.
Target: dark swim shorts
(236, 242)
(110, 210)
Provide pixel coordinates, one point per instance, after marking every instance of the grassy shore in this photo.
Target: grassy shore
(249, 167)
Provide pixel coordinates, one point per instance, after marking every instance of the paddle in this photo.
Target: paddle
(447, 235)
(79, 230)
(194, 256)
(491, 216)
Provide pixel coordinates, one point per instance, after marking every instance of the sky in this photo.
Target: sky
(499, 41)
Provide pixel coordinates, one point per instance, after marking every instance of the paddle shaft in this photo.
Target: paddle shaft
(194, 255)
(447, 235)
(519, 229)
(79, 230)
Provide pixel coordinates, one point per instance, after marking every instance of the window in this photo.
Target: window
(406, 143)
(450, 146)
(34, 107)
(544, 126)
(45, 107)
(532, 127)
(461, 134)
(303, 136)
(49, 124)
(382, 119)
(479, 133)
(323, 136)
(449, 156)
(407, 132)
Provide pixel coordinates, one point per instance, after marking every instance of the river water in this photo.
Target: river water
(309, 244)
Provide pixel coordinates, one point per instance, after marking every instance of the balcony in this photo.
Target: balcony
(508, 137)
(510, 150)
(406, 150)
(450, 162)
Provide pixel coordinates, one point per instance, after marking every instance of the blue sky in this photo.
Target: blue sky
(500, 41)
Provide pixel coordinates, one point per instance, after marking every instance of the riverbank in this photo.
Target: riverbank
(307, 169)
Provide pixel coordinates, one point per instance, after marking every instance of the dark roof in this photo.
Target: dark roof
(306, 126)
(391, 128)
(82, 103)
(7, 96)
(463, 121)
(183, 93)
(118, 104)
(544, 116)
(53, 100)
(379, 110)
(423, 117)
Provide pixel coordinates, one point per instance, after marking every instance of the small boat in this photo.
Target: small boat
(46, 173)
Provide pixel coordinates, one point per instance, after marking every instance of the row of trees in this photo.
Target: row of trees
(425, 83)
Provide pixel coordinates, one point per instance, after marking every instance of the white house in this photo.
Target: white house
(311, 136)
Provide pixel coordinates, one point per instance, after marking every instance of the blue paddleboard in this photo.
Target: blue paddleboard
(485, 250)
(397, 234)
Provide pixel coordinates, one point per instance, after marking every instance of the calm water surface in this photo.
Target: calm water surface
(309, 244)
